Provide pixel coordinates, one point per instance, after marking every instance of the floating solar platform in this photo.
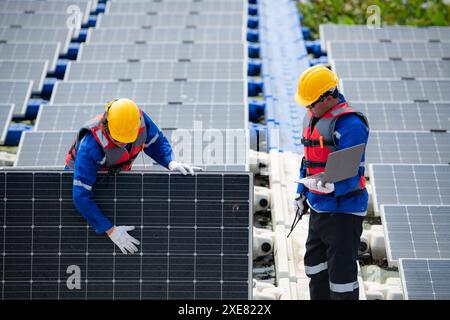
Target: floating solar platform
(416, 232)
(392, 69)
(195, 234)
(31, 51)
(181, 21)
(6, 113)
(174, 7)
(38, 20)
(408, 116)
(219, 148)
(161, 51)
(93, 70)
(206, 116)
(31, 7)
(396, 90)
(359, 33)
(165, 35)
(25, 70)
(393, 51)
(16, 92)
(418, 147)
(185, 92)
(38, 35)
(425, 279)
(409, 184)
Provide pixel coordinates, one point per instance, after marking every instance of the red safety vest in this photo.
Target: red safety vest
(319, 142)
(116, 159)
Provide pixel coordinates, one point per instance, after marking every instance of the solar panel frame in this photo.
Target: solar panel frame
(430, 278)
(21, 51)
(419, 147)
(38, 35)
(175, 92)
(219, 116)
(359, 33)
(408, 116)
(100, 71)
(63, 226)
(165, 35)
(392, 69)
(388, 50)
(415, 232)
(162, 52)
(6, 113)
(396, 90)
(398, 184)
(21, 103)
(179, 7)
(25, 70)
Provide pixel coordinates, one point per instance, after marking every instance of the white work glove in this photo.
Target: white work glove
(123, 240)
(299, 203)
(317, 185)
(182, 167)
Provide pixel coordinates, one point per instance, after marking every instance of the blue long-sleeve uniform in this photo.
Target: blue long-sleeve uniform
(349, 131)
(87, 163)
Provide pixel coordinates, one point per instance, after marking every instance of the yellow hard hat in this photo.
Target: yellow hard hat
(124, 120)
(313, 83)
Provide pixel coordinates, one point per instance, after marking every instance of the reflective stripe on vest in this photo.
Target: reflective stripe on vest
(316, 154)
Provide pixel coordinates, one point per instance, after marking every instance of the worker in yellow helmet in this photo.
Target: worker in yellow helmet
(337, 209)
(111, 142)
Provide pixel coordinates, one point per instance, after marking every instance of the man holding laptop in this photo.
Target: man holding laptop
(332, 185)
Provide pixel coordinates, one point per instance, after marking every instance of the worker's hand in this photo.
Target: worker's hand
(183, 168)
(123, 240)
(317, 185)
(299, 203)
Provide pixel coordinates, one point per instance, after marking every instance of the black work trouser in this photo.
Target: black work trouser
(331, 255)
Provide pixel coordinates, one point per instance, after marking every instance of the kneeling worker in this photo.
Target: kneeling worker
(111, 142)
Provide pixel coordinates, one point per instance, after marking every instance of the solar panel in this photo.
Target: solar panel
(25, 70)
(216, 116)
(220, 148)
(195, 235)
(161, 51)
(39, 35)
(178, 7)
(222, 70)
(171, 20)
(396, 90)
(408, 116)
(333, 32)
(165, 35)
(379, 51)
(425, 279)
(6, 113)
(405, 184)
(418, 147)
(16, 92)
(186, 92)
(84, 7)
(416, 231)
(31, 51)
(396, 69)
(39, 20)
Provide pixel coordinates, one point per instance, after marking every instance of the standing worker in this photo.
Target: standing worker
(337, 209)
(111, 142)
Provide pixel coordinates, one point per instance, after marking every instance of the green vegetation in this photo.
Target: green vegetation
(401, 12)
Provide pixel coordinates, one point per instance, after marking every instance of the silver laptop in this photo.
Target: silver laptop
(341, 165)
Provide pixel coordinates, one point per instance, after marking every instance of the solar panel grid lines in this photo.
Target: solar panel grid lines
(195, 237)
(419, 147)
(6, 113)
(25, 70)
(16, 92)
(425, 279)
(416, 231)
(408, 115)
(410, 184)
(172, 7)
